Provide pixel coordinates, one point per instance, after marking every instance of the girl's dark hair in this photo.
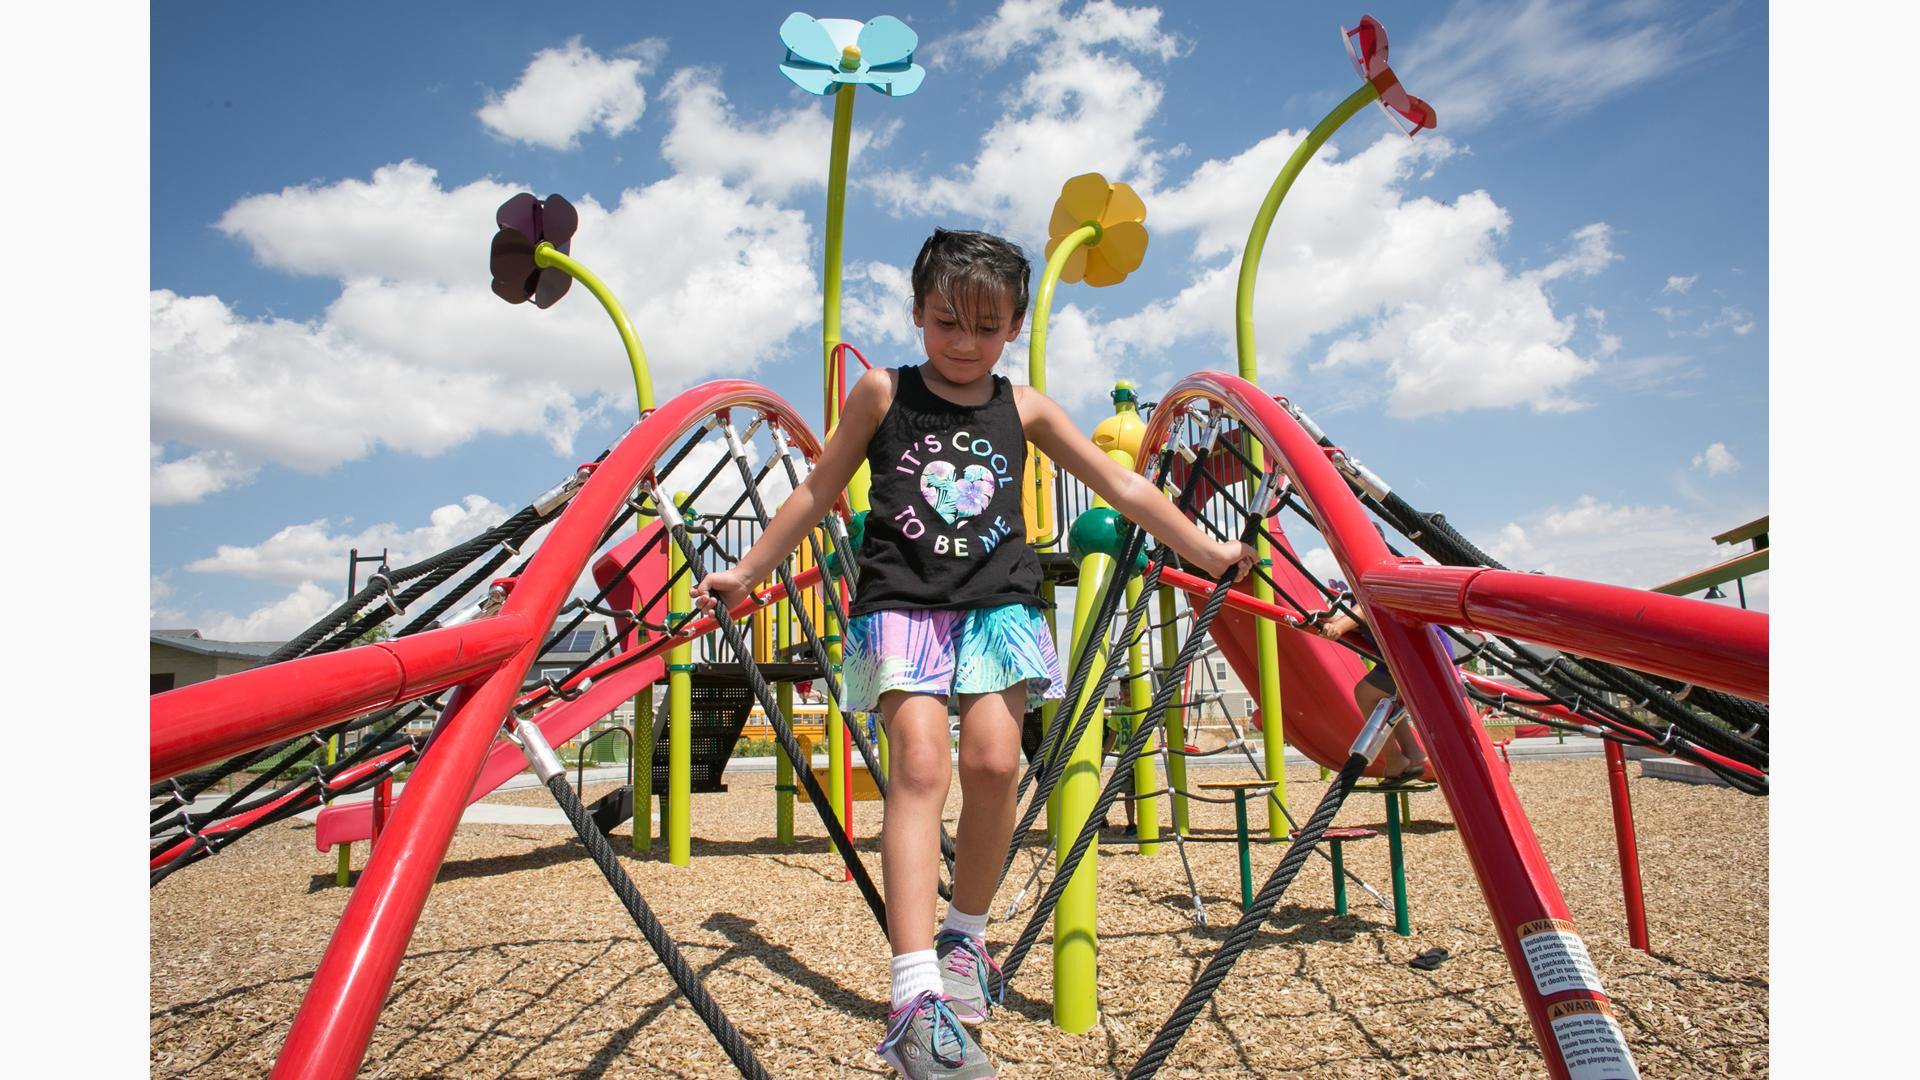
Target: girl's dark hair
(972, 270)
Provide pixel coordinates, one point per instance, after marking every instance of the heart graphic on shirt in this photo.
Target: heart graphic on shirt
(956, 497)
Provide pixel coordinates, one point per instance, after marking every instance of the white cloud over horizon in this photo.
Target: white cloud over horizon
(417, 355)
(568, 91)
(313, 550)
(277, 621)
(1717, 460)
(1638, 546)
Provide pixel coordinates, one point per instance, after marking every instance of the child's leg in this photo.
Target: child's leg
(919, 755)
(989, 776)
(1402, 752)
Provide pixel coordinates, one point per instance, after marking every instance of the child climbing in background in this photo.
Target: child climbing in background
(1402, 760)
(948, 604)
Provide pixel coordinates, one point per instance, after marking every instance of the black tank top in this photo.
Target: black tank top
(945, 530)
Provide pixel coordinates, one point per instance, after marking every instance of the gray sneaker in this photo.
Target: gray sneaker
(926, 1042)
(968, 974)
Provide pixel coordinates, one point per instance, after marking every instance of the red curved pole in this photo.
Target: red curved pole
(1562, 993)
(331, 1030)
(197, 725)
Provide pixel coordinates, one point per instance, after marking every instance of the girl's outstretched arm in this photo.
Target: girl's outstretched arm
(839, 460)
(1050, 429)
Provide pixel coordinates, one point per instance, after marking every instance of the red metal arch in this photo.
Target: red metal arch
(1688, 639)
(486, 661)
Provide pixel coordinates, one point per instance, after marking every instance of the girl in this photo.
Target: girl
(948, 604)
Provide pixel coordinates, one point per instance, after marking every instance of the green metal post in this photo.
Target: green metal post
(1339, 880)
(1146, 812)
(858, 487)
(1176, 721)
(678, 823)
(783, 779)
(343, 870)
(1076, 994)
(1246, 848)
(643, 767)
(1043, 302)
(1040, 309)
(1402, 925)
(1267, 639)
(546, 255)
(1049, 710)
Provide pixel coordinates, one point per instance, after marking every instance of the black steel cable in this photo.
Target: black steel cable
(802, 766)
(1242, 934)
(1122, 774)
(684, 976)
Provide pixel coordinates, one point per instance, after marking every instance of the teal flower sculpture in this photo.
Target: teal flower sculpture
(826, 54)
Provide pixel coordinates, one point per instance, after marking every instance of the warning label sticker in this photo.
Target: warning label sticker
(1557, 957)
(1590, 1041)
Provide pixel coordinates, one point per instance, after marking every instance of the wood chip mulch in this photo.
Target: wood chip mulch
(524, 964)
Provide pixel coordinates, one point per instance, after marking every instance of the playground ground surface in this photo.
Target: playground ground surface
(525, 965)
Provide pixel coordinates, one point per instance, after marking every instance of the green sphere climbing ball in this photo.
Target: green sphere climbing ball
(1099, 531)
(856, 534)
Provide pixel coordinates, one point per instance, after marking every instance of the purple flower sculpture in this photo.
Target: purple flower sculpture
(524, 222)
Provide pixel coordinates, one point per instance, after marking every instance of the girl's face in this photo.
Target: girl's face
(961, 353)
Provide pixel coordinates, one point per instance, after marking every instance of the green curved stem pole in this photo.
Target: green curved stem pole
(1043, 301)
(858, 487)
(1088, 234)
(546, 255)
(1266, 635)
(1257, 239)
(836, 222)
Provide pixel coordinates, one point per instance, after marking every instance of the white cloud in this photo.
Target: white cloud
(309, 396)
(1081, 365)
(313, 550)
(570, 90)
(1649, 372)
(1084, 109)
(416, 354)
(1324, 566)
(1677, 284)
(772, 157)
(194, 477)
(399, 225)
(1717, 460)
(277, 621)
(1636, 546)
(1545, 56)
(1021, 25)
(1420, 290)
(876, 309)
(159, 590)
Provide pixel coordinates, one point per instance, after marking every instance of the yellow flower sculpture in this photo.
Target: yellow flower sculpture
(1116, 251)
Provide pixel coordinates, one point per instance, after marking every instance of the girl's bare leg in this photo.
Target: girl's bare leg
(1402, 752)
(922, 766)
(989, 776)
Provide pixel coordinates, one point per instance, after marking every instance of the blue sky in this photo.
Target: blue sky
(1548, 318)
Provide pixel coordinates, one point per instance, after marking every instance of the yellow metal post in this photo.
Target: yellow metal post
(1146, 812)
(1076, 995)
(1176, 718)
(783, 769)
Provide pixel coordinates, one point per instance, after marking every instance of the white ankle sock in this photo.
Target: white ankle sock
(914, 973)
(974, 926)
